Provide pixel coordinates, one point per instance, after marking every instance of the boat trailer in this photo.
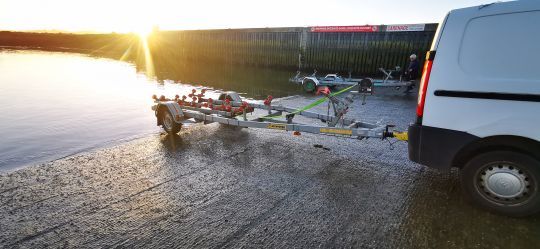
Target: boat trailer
(311, 83)
(229, 109)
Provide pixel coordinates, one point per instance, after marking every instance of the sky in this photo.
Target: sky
(141, 15)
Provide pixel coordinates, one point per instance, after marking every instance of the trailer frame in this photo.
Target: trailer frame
(230, 109)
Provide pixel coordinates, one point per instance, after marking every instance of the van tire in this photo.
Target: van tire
(503, 182)
(168, 123)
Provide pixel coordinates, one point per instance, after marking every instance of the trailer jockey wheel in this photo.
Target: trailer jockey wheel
(168, 123)
(309, 86)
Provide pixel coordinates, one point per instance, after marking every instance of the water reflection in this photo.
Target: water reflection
(251, 82)
(55, 104)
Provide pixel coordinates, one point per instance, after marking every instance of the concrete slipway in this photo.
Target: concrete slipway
(213, 187)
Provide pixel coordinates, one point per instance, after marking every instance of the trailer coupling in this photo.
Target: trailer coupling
(401, 136)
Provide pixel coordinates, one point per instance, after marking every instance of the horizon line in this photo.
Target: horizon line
(57, 31)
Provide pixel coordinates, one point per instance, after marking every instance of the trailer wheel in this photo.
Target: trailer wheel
(168, 123)
(309, 86)
(504, 182)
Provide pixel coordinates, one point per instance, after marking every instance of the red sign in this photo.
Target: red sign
(364, 28)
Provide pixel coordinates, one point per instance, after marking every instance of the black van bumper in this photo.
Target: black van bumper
(436, 147)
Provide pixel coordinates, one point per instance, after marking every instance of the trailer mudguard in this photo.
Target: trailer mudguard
(314, 79)
(170, 106)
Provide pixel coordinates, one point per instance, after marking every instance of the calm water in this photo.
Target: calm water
(57, 104)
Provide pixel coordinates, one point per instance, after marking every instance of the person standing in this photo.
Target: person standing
(412, 72)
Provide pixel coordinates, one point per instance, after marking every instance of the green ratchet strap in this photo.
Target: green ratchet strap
(316, 103)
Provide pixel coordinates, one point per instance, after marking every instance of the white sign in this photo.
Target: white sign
(405, 27)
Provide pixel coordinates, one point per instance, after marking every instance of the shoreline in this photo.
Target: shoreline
(109, 144)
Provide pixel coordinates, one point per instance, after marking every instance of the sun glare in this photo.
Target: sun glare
(144, 32)
(149, 65)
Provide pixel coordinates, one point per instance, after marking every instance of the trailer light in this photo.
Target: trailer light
(424, 84)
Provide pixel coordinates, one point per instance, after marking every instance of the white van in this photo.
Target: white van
(479, 105)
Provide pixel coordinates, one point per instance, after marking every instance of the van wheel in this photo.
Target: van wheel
(504, 182)
(168, 123)
(309, 86)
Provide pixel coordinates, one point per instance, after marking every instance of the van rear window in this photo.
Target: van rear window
(502, 46)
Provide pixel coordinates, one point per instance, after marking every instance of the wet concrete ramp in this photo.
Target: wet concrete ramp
(215, 187)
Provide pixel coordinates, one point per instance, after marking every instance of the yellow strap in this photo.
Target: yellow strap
(316, 103)
(403, 136)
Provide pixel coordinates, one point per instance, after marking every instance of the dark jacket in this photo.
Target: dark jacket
(412, 70)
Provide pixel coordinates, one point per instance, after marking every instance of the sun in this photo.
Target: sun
(144, 32)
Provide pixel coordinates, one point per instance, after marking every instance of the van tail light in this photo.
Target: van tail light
(423, 85)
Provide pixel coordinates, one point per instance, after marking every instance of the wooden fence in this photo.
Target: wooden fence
(360, 53)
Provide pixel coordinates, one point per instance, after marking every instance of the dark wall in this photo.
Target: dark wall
(294, 48)
(277, 48)
(364, 53)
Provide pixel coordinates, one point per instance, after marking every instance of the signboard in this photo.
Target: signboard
(405, 27)
(336, 131)
(364, 28)
(277, 126)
